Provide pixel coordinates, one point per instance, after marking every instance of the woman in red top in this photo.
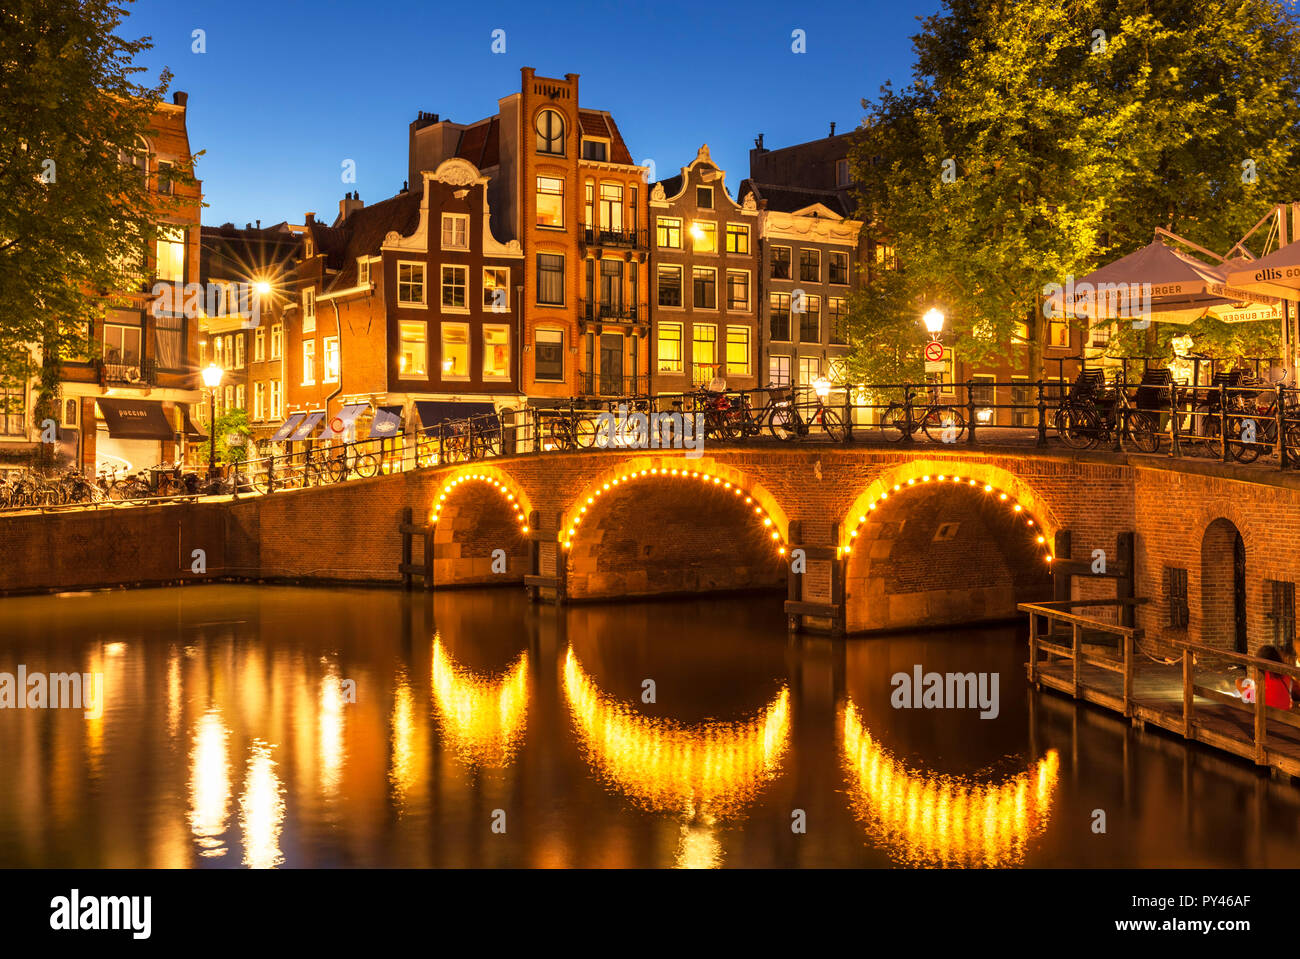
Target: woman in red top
(1277, 689)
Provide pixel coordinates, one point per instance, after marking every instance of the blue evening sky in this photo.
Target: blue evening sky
(289, 90)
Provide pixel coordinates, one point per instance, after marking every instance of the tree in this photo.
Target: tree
(1038, 140)
(77, 215)
(230, 425)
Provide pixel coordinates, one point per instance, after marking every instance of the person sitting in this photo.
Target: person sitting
(1279, 690)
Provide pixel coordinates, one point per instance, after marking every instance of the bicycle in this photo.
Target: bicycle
(785, 422)
(566, 431)
(1091, 414)
(941, 423)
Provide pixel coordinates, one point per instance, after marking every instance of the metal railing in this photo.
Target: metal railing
(620, 312)
(602, 236)
(129, 372)
(1260, 421)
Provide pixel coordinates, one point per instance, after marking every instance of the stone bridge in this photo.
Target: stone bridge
(860, 540)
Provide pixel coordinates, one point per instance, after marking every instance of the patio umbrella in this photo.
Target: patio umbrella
(1276, 276)
(1156, 282)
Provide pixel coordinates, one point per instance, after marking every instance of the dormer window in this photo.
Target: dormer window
(841, 172)
(363, 272)
(308, 247)
(596, 150)
(550, 132)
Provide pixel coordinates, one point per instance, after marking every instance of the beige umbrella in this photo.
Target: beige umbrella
(1156, 282)
(1274, 277)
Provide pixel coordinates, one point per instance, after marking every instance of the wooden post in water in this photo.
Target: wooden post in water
(1187, 693)
(1076, 641)
(1128, 675)
(1033, 650)
(1261, 720)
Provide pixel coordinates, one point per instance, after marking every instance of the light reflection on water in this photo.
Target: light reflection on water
(254, 727)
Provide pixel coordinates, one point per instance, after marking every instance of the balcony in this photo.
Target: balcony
(607, 312)
(112, 370)
(628, 239)
(608, 385)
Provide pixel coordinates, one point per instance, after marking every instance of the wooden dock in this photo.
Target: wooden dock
(1101, 663)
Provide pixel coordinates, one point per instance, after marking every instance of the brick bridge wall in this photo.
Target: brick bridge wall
(928, 553)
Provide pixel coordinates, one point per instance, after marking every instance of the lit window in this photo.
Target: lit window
(810, 370)
(455, 351)
(778, 371)
(704, 236)
(122, 345)
(277, 341)
(704, 351)
(309, 310)
(363, 273)
(668, 232)
(413, 351)
(737, 351)
(277, 400)
(455, 231)
(331, 359)
(308, 362)
(550, 201)
(410, 284)
(259, 345)
(611, 207)
(737, 238)
(496, 352)
(259, 401)
(670, 347)
(171, 254)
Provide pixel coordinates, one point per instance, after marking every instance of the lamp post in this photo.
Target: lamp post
(212, 379)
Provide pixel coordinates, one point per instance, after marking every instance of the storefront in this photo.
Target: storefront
(133, 435)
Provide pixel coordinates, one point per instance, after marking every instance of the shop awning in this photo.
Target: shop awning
(345, 417)
(307, 425)
(433, 412)
(387, 422)
(191, 431)
(287, 427)
(135, 419)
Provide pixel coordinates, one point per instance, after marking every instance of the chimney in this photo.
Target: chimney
(350, 203)
(180, 98)
(832, 128)
(759, 141)
(259, 224)
(310, 218)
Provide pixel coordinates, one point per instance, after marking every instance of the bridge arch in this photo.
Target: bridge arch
(477, 510)
(931, 549)
(693, 525)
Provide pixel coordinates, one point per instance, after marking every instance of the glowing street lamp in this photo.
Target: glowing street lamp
(212, 379)
(821, 386)
(262, 288)
(933, 321)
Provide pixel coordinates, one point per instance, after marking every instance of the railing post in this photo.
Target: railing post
(1033, 649)
(1128, 675)
(1076, 645)
(848, 415)
(1175, 446)
(907, 413)
(970, 413)
(442, 444)
(1283, 455)
(1261, 720)
(1042, 414)
(1223, 421)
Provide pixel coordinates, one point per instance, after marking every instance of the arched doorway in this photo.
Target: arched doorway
(1223, 586)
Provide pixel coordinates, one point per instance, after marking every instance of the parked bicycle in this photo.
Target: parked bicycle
(786, 422)
(940, 422)
(1092, 413)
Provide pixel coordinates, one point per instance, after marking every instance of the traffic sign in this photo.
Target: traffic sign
(934, 351)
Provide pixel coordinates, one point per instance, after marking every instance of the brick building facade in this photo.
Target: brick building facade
(704, 266)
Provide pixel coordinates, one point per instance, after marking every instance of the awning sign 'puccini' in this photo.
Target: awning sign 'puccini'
(135, 419)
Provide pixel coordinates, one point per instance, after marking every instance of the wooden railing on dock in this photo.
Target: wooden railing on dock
(1058, 614)
(1163, 692)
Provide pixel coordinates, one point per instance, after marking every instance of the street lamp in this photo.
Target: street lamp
(212, 379)
(933, 321)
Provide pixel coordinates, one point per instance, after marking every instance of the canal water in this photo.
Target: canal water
(259, 726)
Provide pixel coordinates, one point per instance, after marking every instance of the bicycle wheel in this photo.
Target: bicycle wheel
(943, 424)
(893, 424)
(1212, 439)
(783, 423)
(1143, 431)
(833, 424)
(1078, 427)
(1252, 432)
(584, 433)
(366, 465)
(336, 470)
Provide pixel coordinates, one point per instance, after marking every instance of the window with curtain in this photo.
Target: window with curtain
(169, 341)
(550, 279)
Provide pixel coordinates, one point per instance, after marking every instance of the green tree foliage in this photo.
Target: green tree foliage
(76, 219)
(230, 425)
(1067, 149)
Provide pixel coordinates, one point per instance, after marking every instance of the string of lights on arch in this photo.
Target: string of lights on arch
(511, 499)
(760, 515)
(1017, 509)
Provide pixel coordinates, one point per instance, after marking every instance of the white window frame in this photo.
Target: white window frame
(659, 359)
(443, 328)
(259, 345)
(309, 310)
(492, 307)
(404, 374)
(331, 346)
(496, 328)
(455, 220)
(423, 302)
(308, 362)
(463, 272)
(277, 341)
